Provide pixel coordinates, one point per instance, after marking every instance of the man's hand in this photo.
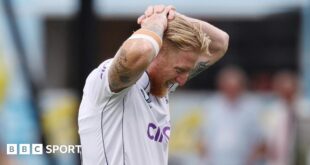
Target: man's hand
(159, 15)
(134, 56)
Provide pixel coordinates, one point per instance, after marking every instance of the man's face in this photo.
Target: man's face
(286, 85)
(231, 84)
(170, 68)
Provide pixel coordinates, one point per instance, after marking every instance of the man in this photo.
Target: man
(124, 114)
(287, 122)
(232, 134)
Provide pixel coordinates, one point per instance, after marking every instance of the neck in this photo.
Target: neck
(156, 82)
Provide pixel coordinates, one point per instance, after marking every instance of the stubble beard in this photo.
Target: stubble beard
(158, 88)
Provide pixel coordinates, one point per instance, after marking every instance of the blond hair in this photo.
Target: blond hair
(186, 36)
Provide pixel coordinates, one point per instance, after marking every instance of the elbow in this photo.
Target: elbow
(219, 48)
(223, 45)
(143, 53)
(224, 42)
(140, 53)
(146, 51)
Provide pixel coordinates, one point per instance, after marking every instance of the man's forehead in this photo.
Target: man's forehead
(187, 64)
(185, 60)
(189, 56)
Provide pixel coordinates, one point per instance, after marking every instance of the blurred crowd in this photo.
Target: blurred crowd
(265, 128)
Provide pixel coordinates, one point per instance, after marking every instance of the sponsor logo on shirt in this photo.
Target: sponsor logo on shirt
(157, 133)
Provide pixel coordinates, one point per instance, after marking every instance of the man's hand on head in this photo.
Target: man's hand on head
(159, 13)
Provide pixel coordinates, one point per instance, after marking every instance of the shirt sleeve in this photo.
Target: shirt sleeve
(97, 90)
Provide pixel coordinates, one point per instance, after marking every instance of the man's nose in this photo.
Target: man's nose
(182, 78)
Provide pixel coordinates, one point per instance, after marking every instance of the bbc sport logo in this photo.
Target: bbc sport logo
(38, 149)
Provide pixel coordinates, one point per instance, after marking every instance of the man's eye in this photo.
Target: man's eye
(179, 71)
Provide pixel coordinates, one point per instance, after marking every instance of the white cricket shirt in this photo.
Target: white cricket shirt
(131, 127)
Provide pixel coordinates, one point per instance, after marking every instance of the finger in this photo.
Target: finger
(140, 19)
(166, 11)
(149, 11)
(159, 8)
(171, 11)
(171, 14)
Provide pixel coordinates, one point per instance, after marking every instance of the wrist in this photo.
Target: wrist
(150, 36)
(156, 28)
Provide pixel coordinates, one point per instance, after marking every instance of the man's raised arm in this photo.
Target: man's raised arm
(217, 47)
(137, 52)
(219, 38)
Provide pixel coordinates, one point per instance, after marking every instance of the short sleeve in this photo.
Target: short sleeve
(97, 90)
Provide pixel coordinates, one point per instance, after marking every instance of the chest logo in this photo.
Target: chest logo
(157, 133)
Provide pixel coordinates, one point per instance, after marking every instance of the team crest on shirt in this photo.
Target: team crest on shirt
(146, 96)
(157, 133)
(102, 71)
